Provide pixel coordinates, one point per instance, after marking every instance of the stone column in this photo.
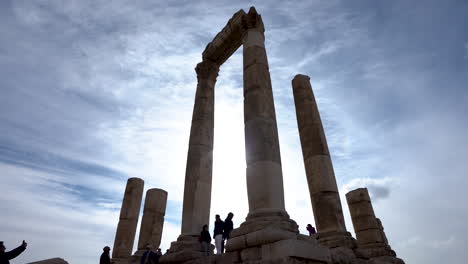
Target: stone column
(129, 213)
(153, 219)
(197, 188)
(324, 194)
(365, 223)
(264, 173)
(371, 239)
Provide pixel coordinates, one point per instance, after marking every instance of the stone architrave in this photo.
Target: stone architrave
(153, 220)
(371, 239)
(324, 195)
(129, 213)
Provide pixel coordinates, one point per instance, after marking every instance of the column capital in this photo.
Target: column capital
(253, 20)
(207, 70)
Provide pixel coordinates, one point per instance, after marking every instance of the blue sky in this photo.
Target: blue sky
(94, 92)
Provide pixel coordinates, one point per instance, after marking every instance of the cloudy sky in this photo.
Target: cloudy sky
(95, 92)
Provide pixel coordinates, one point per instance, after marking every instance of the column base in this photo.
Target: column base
(186, 248)
(336, 239)
(378, 253)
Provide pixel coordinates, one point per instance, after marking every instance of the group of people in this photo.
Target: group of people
(221, 232)
(148, 257)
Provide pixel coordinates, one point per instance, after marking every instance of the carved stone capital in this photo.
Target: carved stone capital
(207, 70)
(253, 20)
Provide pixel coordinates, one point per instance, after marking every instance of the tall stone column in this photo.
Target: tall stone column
(129, 213)
(264, 172)
(371, 238)
(153, 219)
(197, 189)
(323, 189)
(319, 169)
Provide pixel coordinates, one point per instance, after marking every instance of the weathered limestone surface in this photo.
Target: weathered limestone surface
(197, 190)
(50, 261)
(198, 176)
(371, 239)
(129, 213)
(324, 195)
(264, 173)
(153, 220)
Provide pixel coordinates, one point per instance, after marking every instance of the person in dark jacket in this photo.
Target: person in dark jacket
(105, 257)
(228, 226)
(218, 234)
(311, 230)
(205, 239)
(6, 256)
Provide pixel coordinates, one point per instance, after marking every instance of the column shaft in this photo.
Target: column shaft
(198, 176)
(129, 213)
(264, 173)
(367, 227)
(324, 194)
(153, 219)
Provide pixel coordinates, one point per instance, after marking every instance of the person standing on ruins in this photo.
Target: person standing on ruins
(205, 239)
(311, 230)
(6, 256)
(218, 234)
(228, 226)
(105, 257)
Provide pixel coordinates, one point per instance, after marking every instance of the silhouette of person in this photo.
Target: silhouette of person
(6, 256)
(311, 230)
(218, 234)
(228, 226)
(149, 257)
(205, 239)
(105, 257)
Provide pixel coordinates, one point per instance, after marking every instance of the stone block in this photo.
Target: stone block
(256, 76)
(251, 254)
(253, 55)
(364, 222)
(363, 208)
(203, 109)
(358, 195)
(313, 140)
(50, 261)
(320, 175)
(327, 212)
(265, 185)
(369, 236)
(295, 248)
(254, 38)
(261, 141)
(202, 132)
(259, 103)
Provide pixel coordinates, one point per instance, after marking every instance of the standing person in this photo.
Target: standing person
(228, 226)
(158, 255)
(205, 239)
(105, 257)
(311, 230)
(6, 256)
(149, 257)
(218, 234)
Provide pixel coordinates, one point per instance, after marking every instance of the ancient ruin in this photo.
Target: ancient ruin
(267, 235)
(129, 214)
(151, 224)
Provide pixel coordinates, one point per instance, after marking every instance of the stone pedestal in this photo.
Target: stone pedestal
(371, 239)
(323, 189)
(152, 221)
(129, 213)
